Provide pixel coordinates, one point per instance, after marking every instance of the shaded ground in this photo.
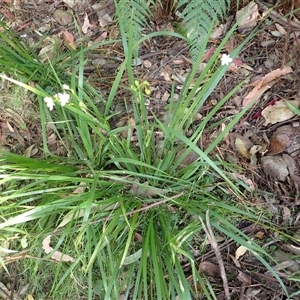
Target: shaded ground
(269, 153)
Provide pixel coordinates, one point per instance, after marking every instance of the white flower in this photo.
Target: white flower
(65, 87)
(225, 59)
(63, 98)
(49, 102)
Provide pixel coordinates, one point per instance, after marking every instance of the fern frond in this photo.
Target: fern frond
(198, 16)
(134, 15)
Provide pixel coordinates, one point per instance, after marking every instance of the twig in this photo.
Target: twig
(130, 213)
(214, 245)
(242, 291)
(276, 17)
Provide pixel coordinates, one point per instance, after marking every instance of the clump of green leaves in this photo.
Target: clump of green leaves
(196, 18)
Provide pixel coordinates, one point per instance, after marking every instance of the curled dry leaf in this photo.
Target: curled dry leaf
(86, 24)
(104, 20)
(263, 84)
(234, 136)
(101, 37)
(275, 167)
(138, 237)
(260, 235)
(291, 165)
(62, 17)
(69, 39)
(242, 277)
(71, 3)
(292, 248)
(57, 255)
(249, 16)
(209, 269)
(289, 265)
(252, 293)
(279, 112)
(191, 157)
(241, 148)
(293, 133)
(30, 151)
(278, 143)
(290, 162)
(240, 251)
(246, 180)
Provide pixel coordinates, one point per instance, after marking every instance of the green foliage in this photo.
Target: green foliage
(110, 190)
(197, 17)
(134, 16)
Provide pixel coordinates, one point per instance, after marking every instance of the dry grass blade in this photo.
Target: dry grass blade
(213, 242)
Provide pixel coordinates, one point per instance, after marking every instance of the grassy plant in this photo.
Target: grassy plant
(127, 213)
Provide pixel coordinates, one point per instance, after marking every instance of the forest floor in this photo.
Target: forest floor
(265, 143)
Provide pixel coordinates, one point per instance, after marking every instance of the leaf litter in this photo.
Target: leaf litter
(267, 145)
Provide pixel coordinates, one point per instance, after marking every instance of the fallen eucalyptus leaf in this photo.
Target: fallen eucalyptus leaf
(56, 255)
(278, 112)
(241, 148)
(275, 167)
(240, 251)
(209, 269)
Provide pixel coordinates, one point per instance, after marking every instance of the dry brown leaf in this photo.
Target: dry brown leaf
(191, 157)
(9, 127)
(249, 15)
(288, 264)
(278, 143)
(101, 37)
(234, 135)
(240, 251)
(57, 255)
(278, 112)
(275, 167)
(242, 277)
(69, 39)
(291, 165)
(71, 3)
(86, 24)
(63, 17)
(30, 151)
(263, 84)
(241, 148)
(256, 93)
(138, 237)
(15, 117)
(209, 269)
(47, 50)
(260, 235)
(104, 20)
(246, 180)
(280, 29)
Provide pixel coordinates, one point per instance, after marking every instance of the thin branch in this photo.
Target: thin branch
(213, 242)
